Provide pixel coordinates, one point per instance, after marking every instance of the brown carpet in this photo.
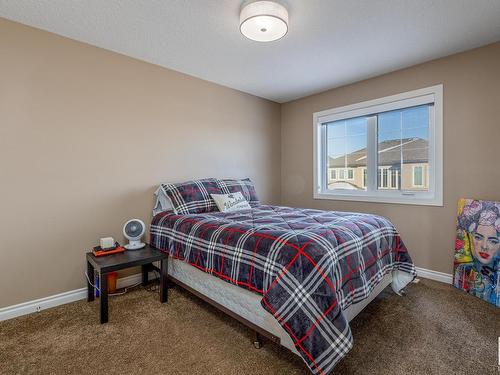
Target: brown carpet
(435, 329)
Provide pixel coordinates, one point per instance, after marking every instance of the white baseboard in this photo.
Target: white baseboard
(40, 304)
(37, 305)
(434, 275)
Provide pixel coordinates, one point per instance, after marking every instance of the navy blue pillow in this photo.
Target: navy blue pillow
(192, 197)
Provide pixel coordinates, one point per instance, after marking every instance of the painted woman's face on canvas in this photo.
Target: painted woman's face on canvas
(486, 243)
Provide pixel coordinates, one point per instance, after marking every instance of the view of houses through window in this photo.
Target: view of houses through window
(402, 138)
(347, 142)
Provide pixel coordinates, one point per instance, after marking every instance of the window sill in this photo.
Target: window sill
(395, 199)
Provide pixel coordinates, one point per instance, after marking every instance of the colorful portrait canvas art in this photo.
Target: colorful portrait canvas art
(477, 249)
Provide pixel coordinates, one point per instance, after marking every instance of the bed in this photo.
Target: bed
(296, 275)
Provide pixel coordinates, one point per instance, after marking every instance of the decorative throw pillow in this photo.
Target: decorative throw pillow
(244, 186)
(192, 197)
(230, 202)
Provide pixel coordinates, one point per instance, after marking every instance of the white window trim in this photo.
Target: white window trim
(434, 197)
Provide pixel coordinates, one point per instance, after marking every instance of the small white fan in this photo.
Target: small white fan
(133, 230)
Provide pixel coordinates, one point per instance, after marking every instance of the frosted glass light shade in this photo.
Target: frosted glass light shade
(264, 21)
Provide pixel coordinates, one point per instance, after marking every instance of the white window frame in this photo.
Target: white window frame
(432, 197)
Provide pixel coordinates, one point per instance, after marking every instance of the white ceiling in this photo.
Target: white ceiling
(330, 42)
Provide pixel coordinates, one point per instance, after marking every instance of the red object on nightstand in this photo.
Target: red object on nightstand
(100, 253)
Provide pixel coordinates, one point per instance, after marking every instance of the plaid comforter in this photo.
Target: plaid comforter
(307, 264)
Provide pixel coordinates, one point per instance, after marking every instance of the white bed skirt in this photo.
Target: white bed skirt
(247, 304)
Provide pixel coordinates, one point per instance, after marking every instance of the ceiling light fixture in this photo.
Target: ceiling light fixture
(264, 21)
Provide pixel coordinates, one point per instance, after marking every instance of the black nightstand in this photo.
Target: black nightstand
(115, 262)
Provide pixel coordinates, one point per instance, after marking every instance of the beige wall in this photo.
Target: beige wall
(471, 142)
(85, 137)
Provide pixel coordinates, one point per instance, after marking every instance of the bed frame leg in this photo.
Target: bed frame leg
(257, 343)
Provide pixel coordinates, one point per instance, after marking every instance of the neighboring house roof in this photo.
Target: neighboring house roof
(415, 150)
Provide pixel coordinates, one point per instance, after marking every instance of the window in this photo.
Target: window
(340, 137)
(388, 178)
(341, 174)
(418, 176)
(383, 178)
(350, 174)
(394, 179)
(383, 150)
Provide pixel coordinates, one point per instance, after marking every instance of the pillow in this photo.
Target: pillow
(162, 203)
(192, 197)
(245, 187)
(230, 202)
